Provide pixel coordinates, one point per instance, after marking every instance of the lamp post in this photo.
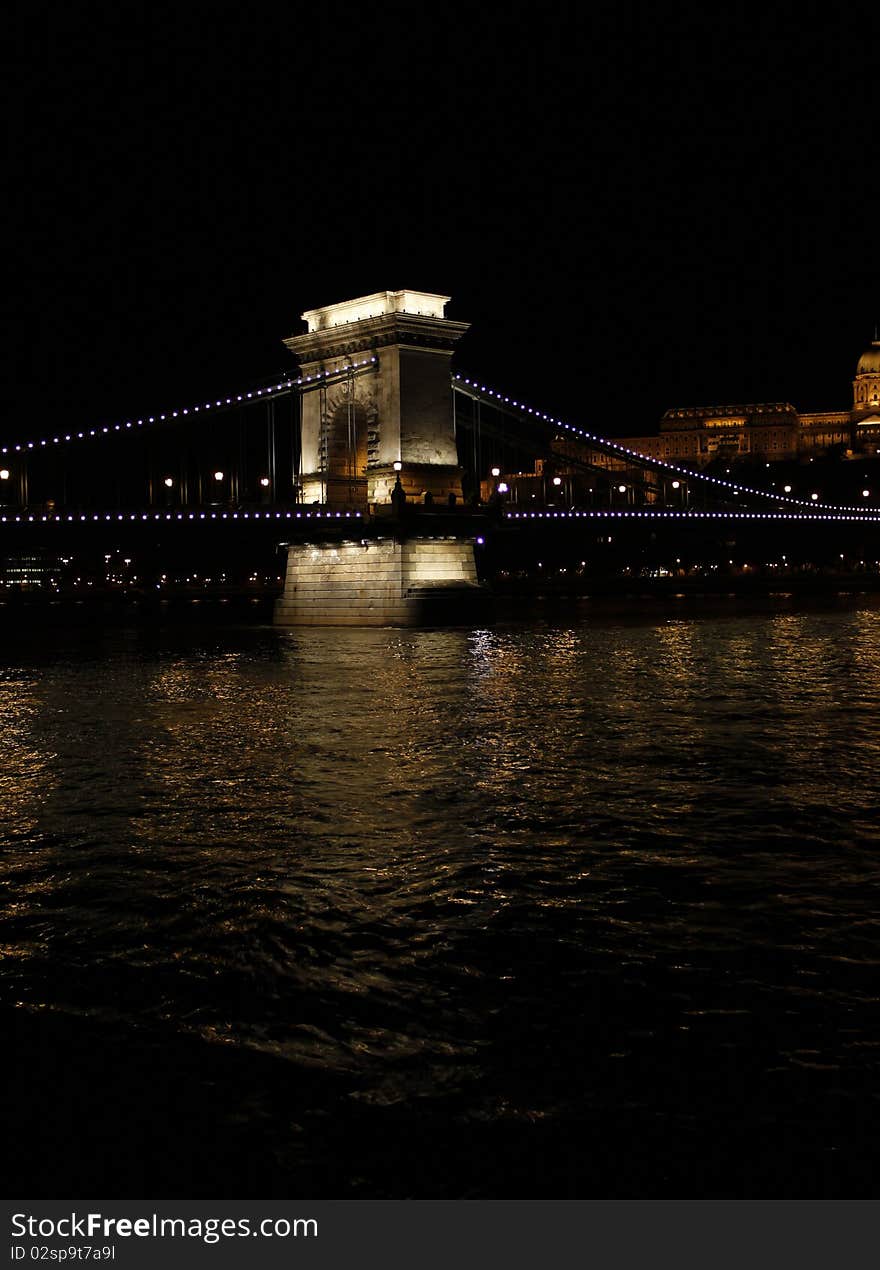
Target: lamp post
(682, 493)
(217, 478)
(6, 479)
(398, 495)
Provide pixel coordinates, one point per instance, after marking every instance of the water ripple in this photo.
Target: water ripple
(517, 881)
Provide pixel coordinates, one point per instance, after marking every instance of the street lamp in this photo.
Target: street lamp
(218, 476)
(866, 493)
(786, 489)
(814, 497)
(168, 482)
(496, 471)
(398, 466)
(265, 482)
(4, 473)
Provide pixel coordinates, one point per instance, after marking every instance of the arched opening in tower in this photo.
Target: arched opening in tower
(345, 426)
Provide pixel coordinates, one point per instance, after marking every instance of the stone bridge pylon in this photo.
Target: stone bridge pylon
(378, 437)
(396, 410)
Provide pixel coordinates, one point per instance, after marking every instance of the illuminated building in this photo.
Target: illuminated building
(28, 571)
(770, 430)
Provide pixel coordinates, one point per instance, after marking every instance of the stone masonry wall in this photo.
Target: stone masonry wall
(348, 584)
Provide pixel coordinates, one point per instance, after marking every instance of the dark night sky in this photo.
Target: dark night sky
(637, 206)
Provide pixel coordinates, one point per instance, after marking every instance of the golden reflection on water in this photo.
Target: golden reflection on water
(330, 807)
(26, 767)
(864, 647)
(680, 660)
(369, 734)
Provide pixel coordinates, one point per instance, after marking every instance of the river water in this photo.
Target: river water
(574, 909)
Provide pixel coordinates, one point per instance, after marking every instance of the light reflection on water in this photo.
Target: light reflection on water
(517, 874)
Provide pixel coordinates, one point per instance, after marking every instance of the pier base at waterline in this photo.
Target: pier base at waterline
(382, 582)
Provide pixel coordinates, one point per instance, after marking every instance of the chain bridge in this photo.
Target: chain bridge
(378, 474)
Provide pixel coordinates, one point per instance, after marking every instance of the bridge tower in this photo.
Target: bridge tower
(362, 420)
(378, 437)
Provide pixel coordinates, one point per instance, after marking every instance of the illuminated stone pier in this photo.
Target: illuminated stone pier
(384, 582)
(378, 437)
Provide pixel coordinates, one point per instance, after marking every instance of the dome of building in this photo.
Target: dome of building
(869, 362)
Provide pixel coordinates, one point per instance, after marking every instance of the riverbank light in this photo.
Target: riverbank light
(786, 489)
(814, 497)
